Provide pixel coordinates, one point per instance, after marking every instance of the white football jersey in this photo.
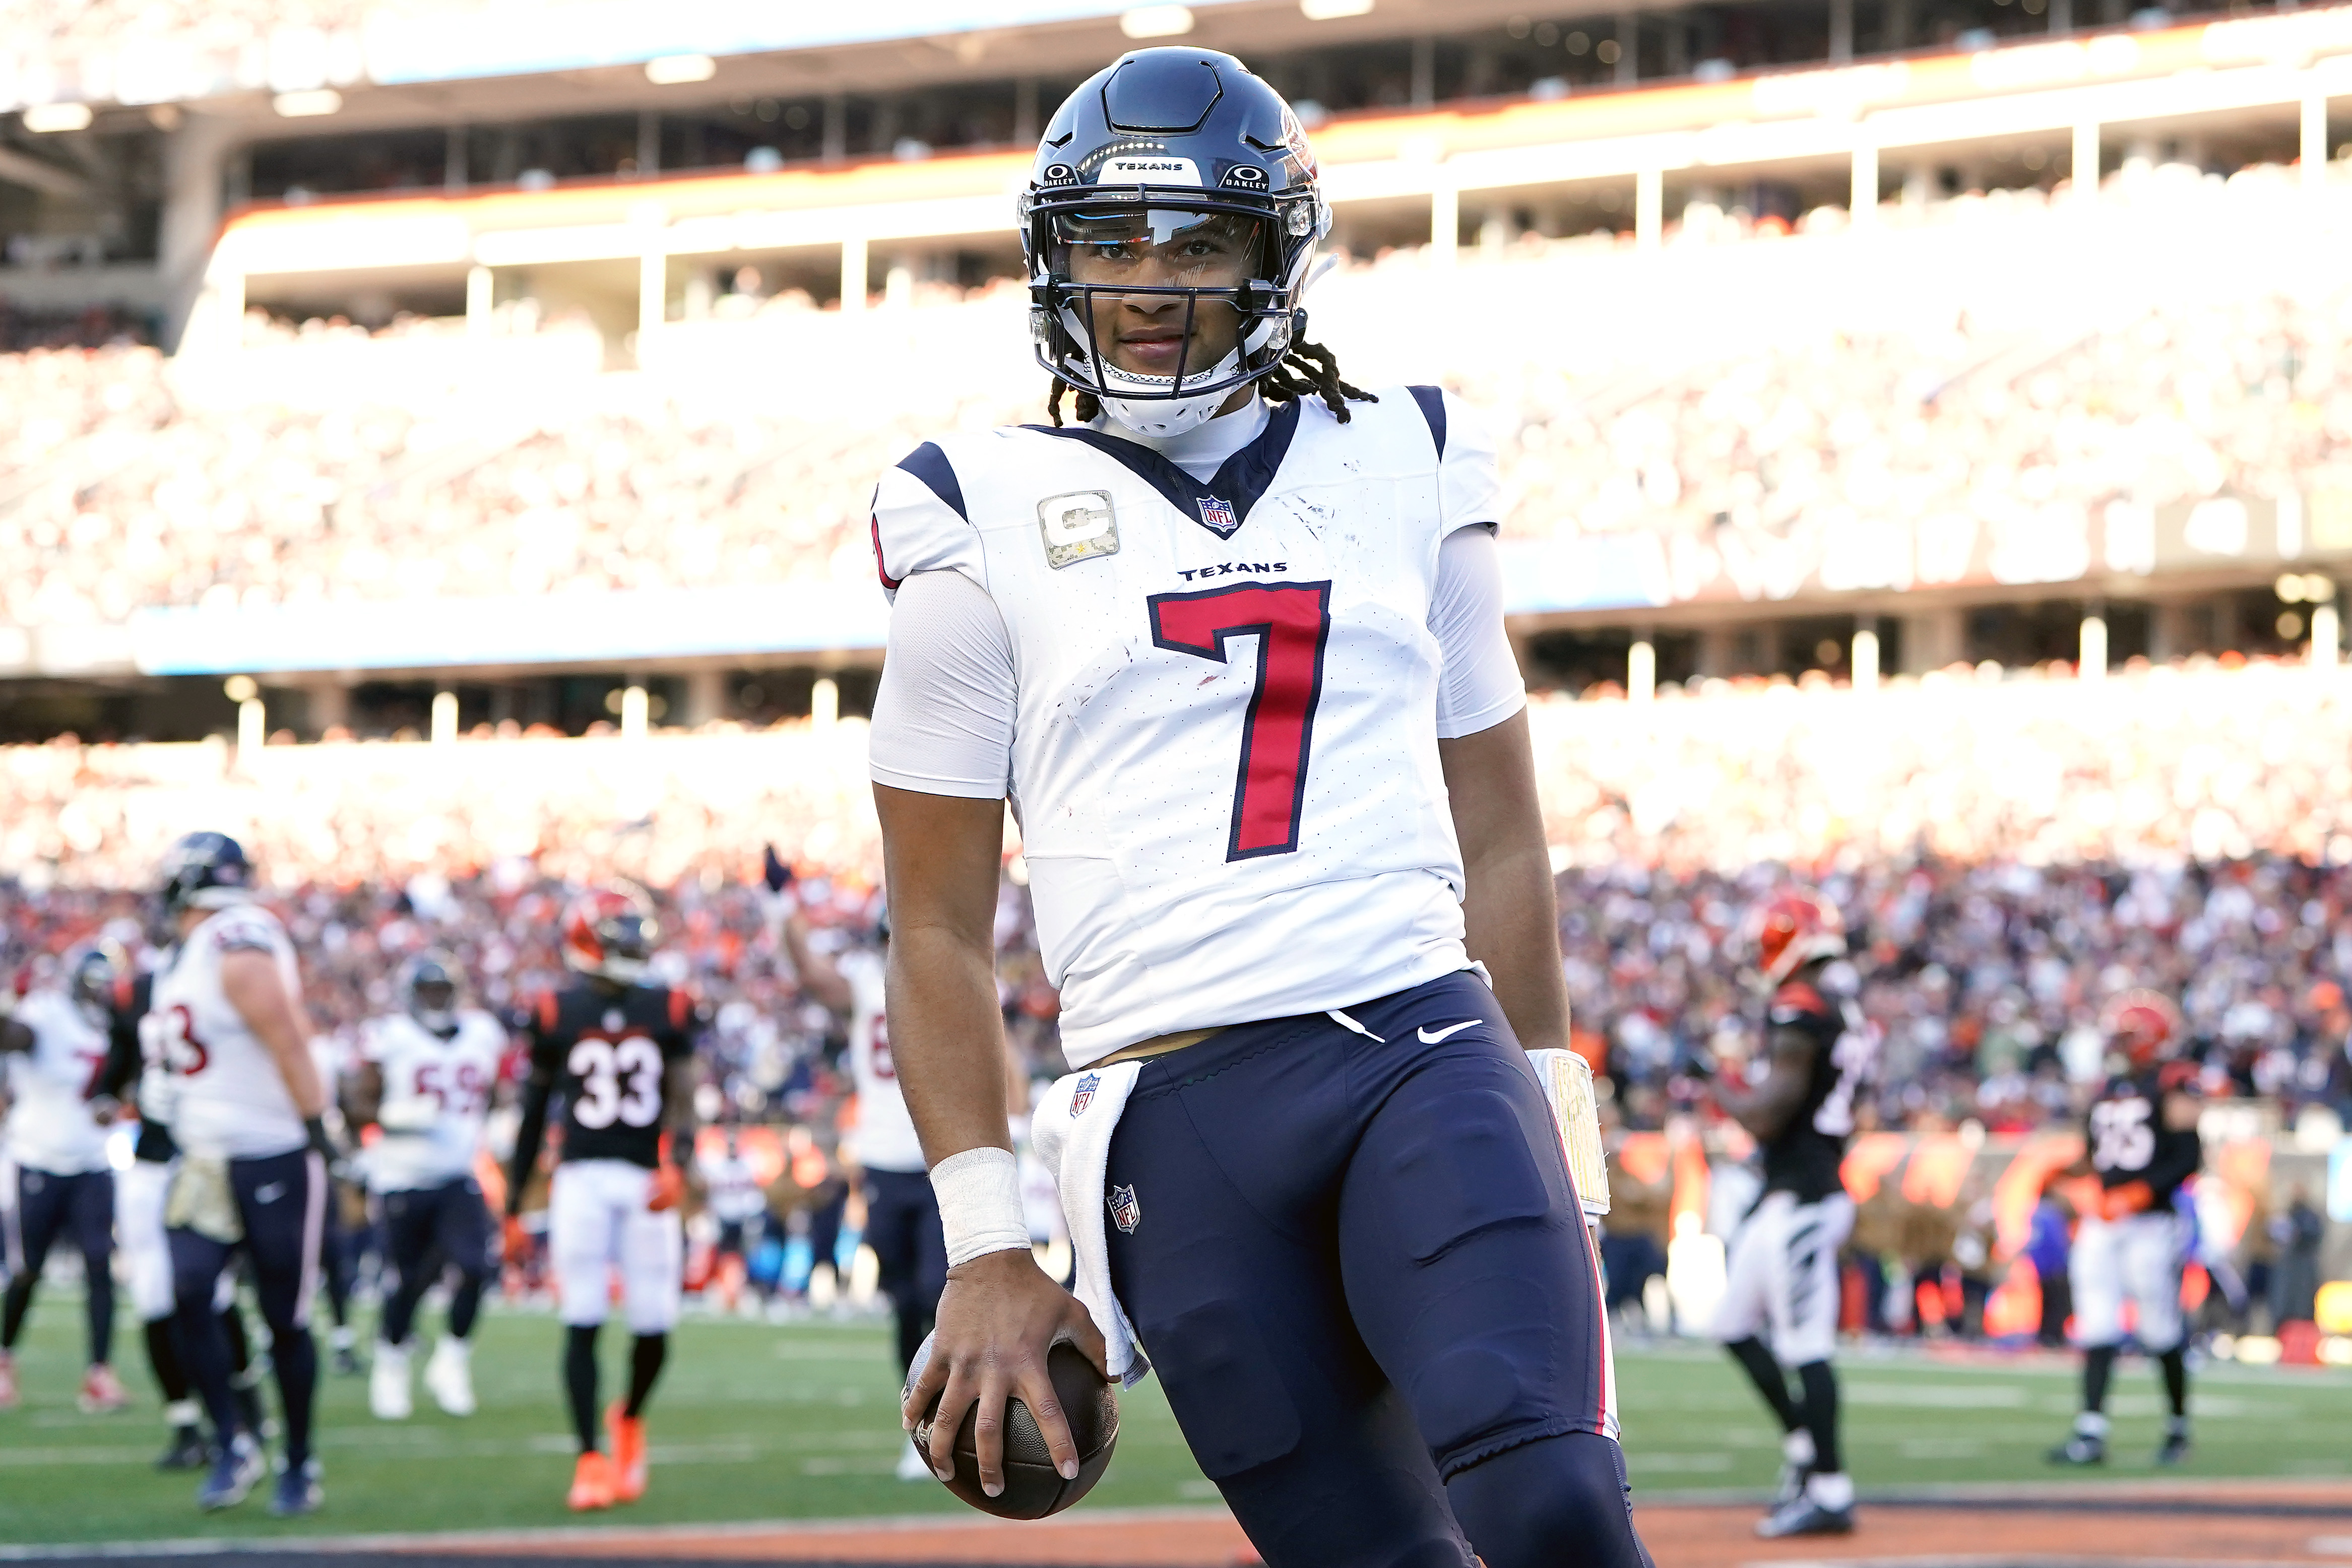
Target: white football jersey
(1224, 759)
(733, 1186)
(884, 1137)
(49, 1125)
(450, 1080)
(229, 1099)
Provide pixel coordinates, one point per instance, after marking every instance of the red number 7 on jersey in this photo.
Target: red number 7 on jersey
(1291, 621)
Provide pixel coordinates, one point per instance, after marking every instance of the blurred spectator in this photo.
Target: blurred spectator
(2296, 1232)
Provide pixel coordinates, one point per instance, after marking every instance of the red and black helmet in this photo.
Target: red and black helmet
(610, 932)
(1792, 929)
(2144, 1025)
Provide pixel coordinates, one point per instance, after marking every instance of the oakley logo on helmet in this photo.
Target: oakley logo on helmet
(1057, 174)
(1245, 177)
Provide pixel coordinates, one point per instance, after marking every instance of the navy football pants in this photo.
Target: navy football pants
(48, 1207)
(1360, 1269)
(282, 1200)
(428, 1231)
(902, 1226)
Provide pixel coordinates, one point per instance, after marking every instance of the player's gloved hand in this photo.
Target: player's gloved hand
(997, 1320)
(323, 1145)
(514, 1245)
(2123, 1202)
(104, 1109)
(773, 871)
(668, 1188)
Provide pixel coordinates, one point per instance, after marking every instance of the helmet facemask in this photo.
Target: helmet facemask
(1217, 275)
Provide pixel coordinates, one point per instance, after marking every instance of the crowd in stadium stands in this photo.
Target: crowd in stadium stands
(132, 495)
(2010, 853)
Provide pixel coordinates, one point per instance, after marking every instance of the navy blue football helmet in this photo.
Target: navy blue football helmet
(205, 870)
(1165, 144)
(89, 982)
(428, 990)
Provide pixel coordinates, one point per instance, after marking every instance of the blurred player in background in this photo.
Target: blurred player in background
(1245, 673)
(902, 1214)
(345, 1227)
(1782, 1267)
(618, 1055)
(424, 1078)
(247, 1115)
(2141, 1142)
(140, 1196)
(737, 1201)
(54, 1049)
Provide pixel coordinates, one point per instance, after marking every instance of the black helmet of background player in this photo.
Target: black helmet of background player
(1161, 143)
(90, 983)
(205, 870)
(429, 991)
(1794, 928)
(2141, 1026)
(610, 932)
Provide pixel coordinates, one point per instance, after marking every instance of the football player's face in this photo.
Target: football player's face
(1147, 333)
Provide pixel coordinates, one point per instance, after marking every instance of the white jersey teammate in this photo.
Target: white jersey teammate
(53, 1054)
(1234, 649)
(426, 1077)
(247, 1112)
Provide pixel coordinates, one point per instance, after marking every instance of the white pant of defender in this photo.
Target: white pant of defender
(2137, 1258)
(596, 1221)
(1780, 1274)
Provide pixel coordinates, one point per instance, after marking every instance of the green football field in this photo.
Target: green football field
(757, 1422)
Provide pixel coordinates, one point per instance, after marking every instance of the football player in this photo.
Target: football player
(2141, 1142)
(141, 1192)
(426, 1077)
(1233, 644)
(902, 1213)
(1782, 1267)
(619, 1055)
(738, 1202)
(247, 1113)
(54, 1052)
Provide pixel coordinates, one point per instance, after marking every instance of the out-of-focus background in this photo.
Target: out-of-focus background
(435, 446)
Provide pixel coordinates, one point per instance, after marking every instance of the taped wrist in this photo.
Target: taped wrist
(979, 1204)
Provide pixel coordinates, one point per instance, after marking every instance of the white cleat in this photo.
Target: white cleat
(388, 1395)
(912, 1466)
(450, 1375)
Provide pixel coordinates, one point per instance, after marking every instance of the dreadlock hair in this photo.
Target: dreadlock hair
(1308, 370)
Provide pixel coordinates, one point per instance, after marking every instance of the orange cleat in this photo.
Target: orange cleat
(592, 1484)
(629, 1467)
(101, 1391)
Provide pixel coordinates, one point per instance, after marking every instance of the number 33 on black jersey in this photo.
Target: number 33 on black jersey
(608, 1054)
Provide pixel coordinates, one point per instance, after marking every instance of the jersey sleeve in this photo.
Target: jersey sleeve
(246, 929)
(1479, 685)
(943, 714)
(918, 522)
(1469, 484)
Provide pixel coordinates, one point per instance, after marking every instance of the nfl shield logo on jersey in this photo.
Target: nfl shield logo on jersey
(1219, 515)
(1125, 1212)
(1083, 1095)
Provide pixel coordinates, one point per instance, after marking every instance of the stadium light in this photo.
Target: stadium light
(1331, 10)
(1156, 22)
(304, 104)
(46, 118)
(670, 70)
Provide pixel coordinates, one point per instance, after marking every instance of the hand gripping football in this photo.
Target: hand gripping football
(1033, 1488)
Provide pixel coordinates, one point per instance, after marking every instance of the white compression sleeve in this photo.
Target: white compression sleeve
(1479, 686)
(979, 1204)
(943, 715)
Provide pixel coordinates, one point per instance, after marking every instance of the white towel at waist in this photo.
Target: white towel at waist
(1070, 1133)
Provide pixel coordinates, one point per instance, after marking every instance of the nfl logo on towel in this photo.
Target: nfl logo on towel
(1085, 1094)
(1219, 515)
(1125, 1212)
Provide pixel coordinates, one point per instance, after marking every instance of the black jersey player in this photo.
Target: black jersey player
(1782, 1269)
(616, 1054)
(2140, 1140)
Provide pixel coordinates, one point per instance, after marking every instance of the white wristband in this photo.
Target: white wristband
(979, 1204)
